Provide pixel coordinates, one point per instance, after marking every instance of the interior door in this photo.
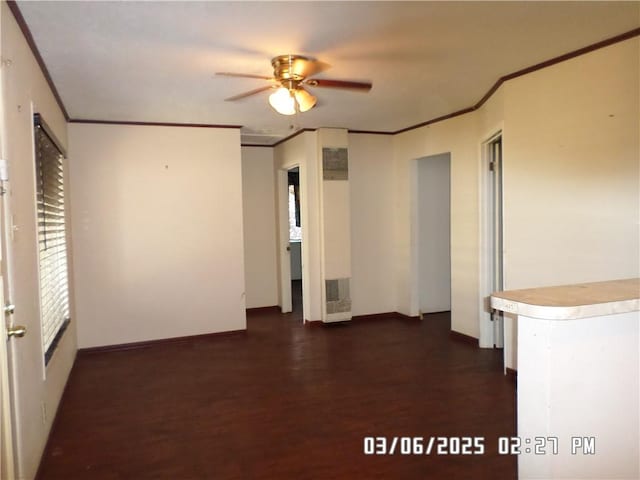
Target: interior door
(6, 419)
(7, 330)
(7, 468)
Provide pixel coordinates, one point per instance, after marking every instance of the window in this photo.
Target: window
(52, 237)
(295, 232)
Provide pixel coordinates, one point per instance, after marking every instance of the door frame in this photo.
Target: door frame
(488, 336)
(284, 276)
(416, 278)
(7, 465)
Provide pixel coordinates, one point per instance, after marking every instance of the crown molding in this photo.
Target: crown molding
(152, 124)
(15, 10)
(13, 6)
(293, 135)
(533, 68)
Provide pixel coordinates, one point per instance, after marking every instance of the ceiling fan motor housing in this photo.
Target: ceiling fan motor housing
(289, 70)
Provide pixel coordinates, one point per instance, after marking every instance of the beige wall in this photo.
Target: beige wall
(36, 390)
(372, 213)
(259, 214)
(158, 238)
(571, 149)
(572, 166)
(571, 171)
(459, 137)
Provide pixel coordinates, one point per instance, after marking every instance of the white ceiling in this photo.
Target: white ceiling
(155, 61)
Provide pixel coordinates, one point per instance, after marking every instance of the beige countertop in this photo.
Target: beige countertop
(569, 302)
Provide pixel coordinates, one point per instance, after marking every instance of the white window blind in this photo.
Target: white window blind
(52, 238)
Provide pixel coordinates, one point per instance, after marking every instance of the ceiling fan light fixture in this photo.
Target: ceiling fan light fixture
(283, 102)
(291, 74)
(305, 100)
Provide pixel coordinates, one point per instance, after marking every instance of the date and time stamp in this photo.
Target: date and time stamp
(387, 445)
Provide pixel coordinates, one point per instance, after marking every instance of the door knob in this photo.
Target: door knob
(16, 331)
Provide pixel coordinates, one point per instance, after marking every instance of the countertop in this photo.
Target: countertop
(571, 302)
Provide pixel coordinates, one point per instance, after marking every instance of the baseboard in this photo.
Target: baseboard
(405, 317)
(313, 323)
(270, 309)
(375, 316)
(153, 343)
(461, 337)
(511, 374)
(360, 318)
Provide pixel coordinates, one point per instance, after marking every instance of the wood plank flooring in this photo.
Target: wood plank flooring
(284, 401)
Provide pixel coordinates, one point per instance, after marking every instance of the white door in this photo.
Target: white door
(8, 331)
(6, 416)
(6, 411)
(6, 433)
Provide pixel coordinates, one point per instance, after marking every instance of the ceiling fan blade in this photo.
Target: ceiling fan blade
(244, 75)
(249, 93)
(326, 83)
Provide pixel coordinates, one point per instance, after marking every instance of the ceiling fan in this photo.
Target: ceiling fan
(291, 74)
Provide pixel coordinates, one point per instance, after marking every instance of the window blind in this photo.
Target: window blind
(52, 238)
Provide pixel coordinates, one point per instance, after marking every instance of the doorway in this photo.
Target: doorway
(291, 221)
(433, 197)
(295, 238)
(492, 264)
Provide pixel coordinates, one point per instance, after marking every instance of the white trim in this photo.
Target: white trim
(36, 251)
(486, 337)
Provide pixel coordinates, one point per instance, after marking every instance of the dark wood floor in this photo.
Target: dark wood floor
(284, 401)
